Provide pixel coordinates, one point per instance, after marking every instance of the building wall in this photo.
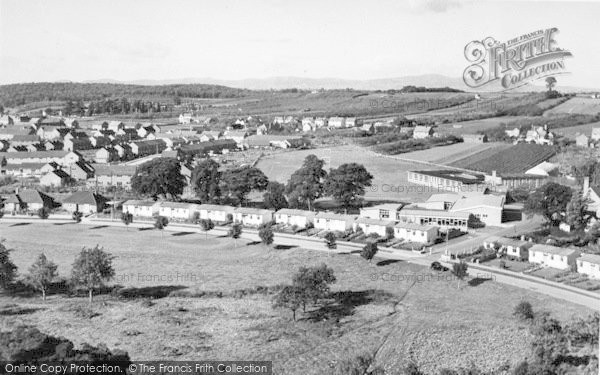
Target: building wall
(332, 224)
(588, 268)
(551, 260)
(251, 219)
(421, 236)
(370, 228)
(299, 221)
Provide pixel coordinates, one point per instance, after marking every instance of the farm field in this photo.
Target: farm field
(389, 172)
(577, 105)
(573, 131)
(429, 317)
(475, 126)
(515, 159)
(447, 154)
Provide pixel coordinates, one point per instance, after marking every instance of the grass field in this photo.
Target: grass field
(573, 131)
(475, 126)
(429, 317)
(577, 105)
(514, 159)
(448, 154)
(390, 178)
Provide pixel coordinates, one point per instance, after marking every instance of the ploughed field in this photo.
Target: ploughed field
(577, 105)
(224, 311)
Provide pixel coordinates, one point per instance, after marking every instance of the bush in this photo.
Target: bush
(524, 311)
(77, 216)
(43, 213)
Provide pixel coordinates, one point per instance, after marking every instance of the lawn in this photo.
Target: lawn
(574, 131)
(392, 308)
(577, 105)
(475, 126)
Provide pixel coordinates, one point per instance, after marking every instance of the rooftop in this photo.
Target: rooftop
(460, 176)
(563, 251)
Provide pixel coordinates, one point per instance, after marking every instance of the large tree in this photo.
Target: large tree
(159, 177)
(314, 281)
(550, 200)
(205, 181)
(8, 270)
(347, 183)
(238, 183)
(92, 268)
(576, 212)
(41, 274)
(306, 184)
(274, 196)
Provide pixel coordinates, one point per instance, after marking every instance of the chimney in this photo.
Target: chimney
(586, 184)
(522, 237)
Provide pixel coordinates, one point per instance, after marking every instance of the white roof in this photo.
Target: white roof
(489, 200)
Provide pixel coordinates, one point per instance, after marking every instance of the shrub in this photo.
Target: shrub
(524, 311)
(43, 213)
(330, 240)
(77, 216)
(8, 270)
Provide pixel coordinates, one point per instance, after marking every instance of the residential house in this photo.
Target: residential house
(106, 155)
(80, 171)
(28, 200)
(337, 122)
(216, 213)
(382, 228)
(321, 122)
(178, 210)
(185, 118)
(513, 133)
(238, 136)
(56, 178)
(144, 148)
(23, 170)
(139, 208)
(350, 122)
(111, 176)
(252, 217)
(75, 144)
(422, 131)
(85, 202)
(308, 124)
(210, 136)
(334, 222)
(589, 264)
(387, 211)
(595, 134)
(582, 140)
(299, 218)
(552, 256)
(412, 232)
(513, 248)
(539, 135)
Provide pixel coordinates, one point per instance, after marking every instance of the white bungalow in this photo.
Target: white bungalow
(300, 218)
(252, 217)
(552, 256)
(589, 264)
(141, 208)
(412, 232)
(370, 226)
(333, 222)
(178, 210)
(215, 213)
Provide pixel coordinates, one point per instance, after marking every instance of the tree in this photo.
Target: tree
(274, 196)
(3, 162)
(235, 232)
(92, 267)
(159, 177)
(368, 252)
(239, 182)
(265, 232)
(290, 297)
(306, 184)
(347, 183)
(524, 311)
(207, 225)
(43, 213)
(77, 216)
(160, 223)
(550, 83)
(127, 218)
(313, 282)
(8, 270)
(576, 212)
(205, 181)
(41, 274)
(459, 270)
(330, 240)
(549, 200)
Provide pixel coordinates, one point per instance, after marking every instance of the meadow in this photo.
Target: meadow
(392, 310)
(577, 105)
(574, 131)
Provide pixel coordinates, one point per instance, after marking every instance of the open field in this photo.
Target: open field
(577, 105)
(514, 159)
(418, 312)
(390, 178)
(450, 153)
(475, 126)
(573, 131)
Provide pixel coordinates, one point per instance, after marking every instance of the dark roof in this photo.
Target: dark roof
(84, 197)
(114, 170)
(463, 177)
(34, 196)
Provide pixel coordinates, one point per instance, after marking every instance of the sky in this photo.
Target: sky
(77, 40)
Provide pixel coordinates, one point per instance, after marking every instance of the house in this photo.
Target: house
(106, 155)
(582, 140)
(28, 200)
(382, 228)
(321, 122)
(185, 118)
(300, 218)
(238, 136)
(74, 144)
(337, 122)
(6, 120)
(595, 134)
(544, 169)
(539, 135)
(552, 256)
(334, 222)
(277, 141)
(219, 146)
(262, 129)
(513, 248)
(145, 131)
(141, 208)
(50, 133)
(56, 178)
(474, 138)
(100, 141)
(422, 131)
(589, 264)
(111, 176)
(49, 167)
(210, 136)
(24, 140)
(85, 202)
(386, 211)
(216, 213)
(178, 210)
(350, 122)
(23, 170)
(514, 133)
(368, 128)
(441, 218)
(308, 124)
(252, 217)
(412, 232)
(115, 125)
(144, 148)
(80, 170)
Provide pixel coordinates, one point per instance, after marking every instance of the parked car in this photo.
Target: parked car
(437, 266)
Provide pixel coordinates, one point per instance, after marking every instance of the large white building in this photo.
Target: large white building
(552, 256)
(334, 222)
(589, 264)
(299, 218)
(411, 232)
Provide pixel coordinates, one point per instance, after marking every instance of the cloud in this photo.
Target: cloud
(434, 6)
